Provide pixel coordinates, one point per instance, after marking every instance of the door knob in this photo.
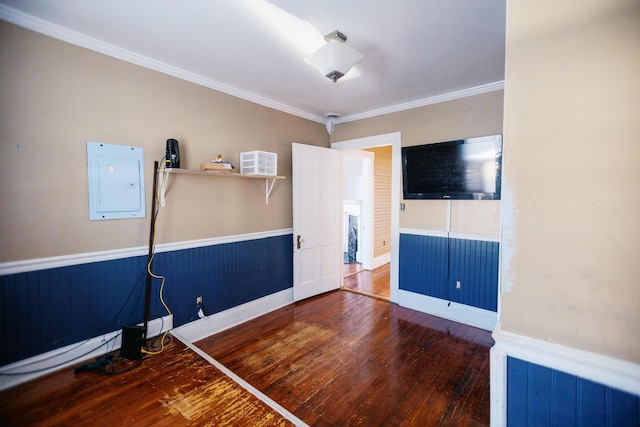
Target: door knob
(298, 240)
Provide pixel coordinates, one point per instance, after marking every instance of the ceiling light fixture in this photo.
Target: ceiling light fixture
(335, 58)
(331, 117)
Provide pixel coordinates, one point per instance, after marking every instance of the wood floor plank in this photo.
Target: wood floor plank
(370, 282)
(343, 358)
(174, 388)
(337, 359)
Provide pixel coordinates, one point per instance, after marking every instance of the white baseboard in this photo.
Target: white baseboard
(381, 260)
(209, 325)
(70, 355)
(472, 316)
(606, 370)
(498, 387)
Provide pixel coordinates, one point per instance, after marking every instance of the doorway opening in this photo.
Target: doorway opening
(371, 215)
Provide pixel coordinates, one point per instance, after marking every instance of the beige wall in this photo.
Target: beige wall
(478, 115)
(571, 206)
(56, 96)
(461, 118)
(381, 200)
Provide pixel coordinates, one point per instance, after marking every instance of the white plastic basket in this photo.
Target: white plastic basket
(258, 163)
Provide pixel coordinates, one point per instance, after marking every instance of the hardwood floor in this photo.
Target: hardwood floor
(343, 358)
(174, 388)
(337, 359)
(351, 269)
(373, 283)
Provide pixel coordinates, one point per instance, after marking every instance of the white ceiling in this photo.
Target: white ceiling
(417, 51)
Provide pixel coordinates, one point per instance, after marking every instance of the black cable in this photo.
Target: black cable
(446, 281)
(124, 304)
(448, 275)
(167, 341)
(152, 253)
(199, 308)
(99, 365)
(104, 328)
(105, 365)
(59, 364)
(104, 331)
(153, 340)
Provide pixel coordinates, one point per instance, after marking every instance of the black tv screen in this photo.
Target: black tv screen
(463, 169)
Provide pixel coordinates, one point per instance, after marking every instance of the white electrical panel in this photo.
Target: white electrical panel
(116, 181)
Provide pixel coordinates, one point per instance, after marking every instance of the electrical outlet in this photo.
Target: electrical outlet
(457, 284)
(198, 300)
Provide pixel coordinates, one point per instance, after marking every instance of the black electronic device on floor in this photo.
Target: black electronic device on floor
(132, 342)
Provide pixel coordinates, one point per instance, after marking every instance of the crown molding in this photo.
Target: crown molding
(58, 32)
(464, 93)
(64, 34)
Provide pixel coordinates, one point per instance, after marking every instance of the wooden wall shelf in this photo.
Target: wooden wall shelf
(269, 180)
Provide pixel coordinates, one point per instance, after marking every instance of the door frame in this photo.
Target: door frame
(393, 139)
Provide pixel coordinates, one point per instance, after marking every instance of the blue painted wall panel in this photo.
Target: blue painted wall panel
(47, 309)
(423, 265)
(540, 396)
(540, 403)
(432, 266)
(564, 412)
(225, 275)
(475, 264)
(517, 388)
(592, 404)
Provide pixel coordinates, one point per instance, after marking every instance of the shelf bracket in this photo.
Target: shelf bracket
(164, 175)
(267, 189)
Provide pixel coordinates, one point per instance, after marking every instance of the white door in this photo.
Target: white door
(317, 220)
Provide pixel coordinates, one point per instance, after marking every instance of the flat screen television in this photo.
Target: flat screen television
(463, 169)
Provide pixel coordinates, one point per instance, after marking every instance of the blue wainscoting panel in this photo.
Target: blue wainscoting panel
(225, 275)
(540, 396)
(475, 263)
(423, 265)
(47, 309)
(432, 265)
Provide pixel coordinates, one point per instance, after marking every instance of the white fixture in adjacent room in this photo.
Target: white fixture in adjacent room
(335, 58)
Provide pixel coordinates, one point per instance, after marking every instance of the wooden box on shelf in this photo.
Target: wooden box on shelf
(217, 166)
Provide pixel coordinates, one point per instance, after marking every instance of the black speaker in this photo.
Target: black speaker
(132, 341)
(173, 153)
